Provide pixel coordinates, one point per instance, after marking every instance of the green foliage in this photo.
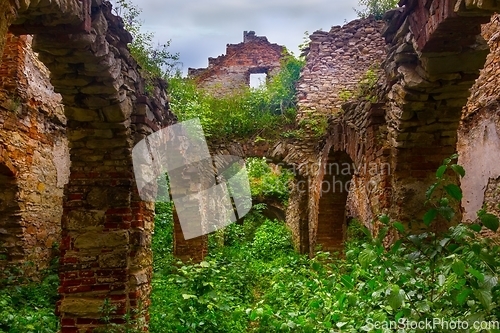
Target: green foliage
(365, 87)
(271, 239)
(377, 8)
(212, 296)
(267, 182)
(162, 243)
(250, 112)
(315, 125)
(29, 307)
(345, 95)
(131, 322)
(155, 60)
(261, 285)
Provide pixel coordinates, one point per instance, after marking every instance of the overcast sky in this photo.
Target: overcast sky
(201, 28)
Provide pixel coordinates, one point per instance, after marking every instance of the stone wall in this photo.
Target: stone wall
(105, 250)
(228, 73)
(435, 54)
(33, 147)
(336, 63)
(479, 133)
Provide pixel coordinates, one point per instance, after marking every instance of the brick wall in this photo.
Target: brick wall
(35, 149)
(228, 73)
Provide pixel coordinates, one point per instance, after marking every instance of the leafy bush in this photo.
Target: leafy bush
(268, 182)
(30, 307)
(155, 60)
(162, 243)
(271, 239)
(377, 8)
(249, 113)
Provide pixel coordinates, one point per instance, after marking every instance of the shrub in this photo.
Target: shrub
(271, 239)
(246, 114)
(377, 8)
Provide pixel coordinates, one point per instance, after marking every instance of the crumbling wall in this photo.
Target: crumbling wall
(228, 73)
(34, 148)
(479, 133)
(105, 250)
(336, 63)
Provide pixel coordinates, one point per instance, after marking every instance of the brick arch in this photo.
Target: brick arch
(436, 52)
(288, 154)
(334, 189)
(106, 228)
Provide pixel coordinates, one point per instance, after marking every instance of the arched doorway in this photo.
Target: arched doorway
(11, 231)
(332, 203)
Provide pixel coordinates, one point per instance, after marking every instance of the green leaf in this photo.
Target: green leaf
(478, 275)
(459, 170)
(347, 281)
(463, 295)
(430, 190)
(440, 171)
(399, 227)
(458, 267)
(484, 296)
(454, 191)
(441, 279)
(447, 212)
(430, 216)
(187, 296)
(366, 257)
(490, 221)
(475, 227)
(384, 219)
(395, 247)
(396, 297)
(204, 264)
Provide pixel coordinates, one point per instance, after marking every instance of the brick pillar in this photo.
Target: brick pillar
(194, 249)
(105, 252)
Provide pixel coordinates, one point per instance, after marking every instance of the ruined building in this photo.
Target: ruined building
(66, 168)
(228, 73)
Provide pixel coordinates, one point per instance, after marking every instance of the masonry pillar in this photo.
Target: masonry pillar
(435, 54)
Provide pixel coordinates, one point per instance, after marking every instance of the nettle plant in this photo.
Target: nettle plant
(450, 275)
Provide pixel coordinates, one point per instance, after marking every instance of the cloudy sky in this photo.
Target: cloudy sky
(200, 29)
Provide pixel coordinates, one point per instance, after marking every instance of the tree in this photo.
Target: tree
(377, 8)
(155, 61)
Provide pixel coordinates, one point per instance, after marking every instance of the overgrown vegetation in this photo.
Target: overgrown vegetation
(27, 306)
(156, 61)
(258, 283)
(376, 8)
(268, 181)
(257, 113)
(365, 87)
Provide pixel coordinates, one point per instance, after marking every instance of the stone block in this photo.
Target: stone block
(118, 112)
(80, 114)
(115, 259)
(81, 307)
(98, 240)
(80, 220)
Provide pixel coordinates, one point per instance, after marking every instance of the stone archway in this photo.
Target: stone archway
(106, 228)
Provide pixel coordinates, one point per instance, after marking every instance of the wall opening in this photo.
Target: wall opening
(11, 251)
(258, 80)
(335, 188)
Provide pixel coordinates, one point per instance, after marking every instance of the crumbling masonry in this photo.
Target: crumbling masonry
(65, 145)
